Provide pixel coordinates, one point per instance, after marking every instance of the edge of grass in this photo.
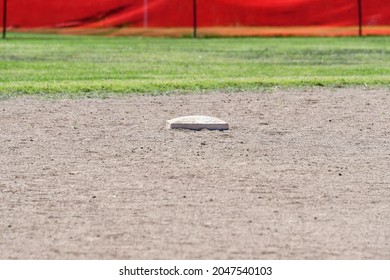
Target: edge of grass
(76, 89)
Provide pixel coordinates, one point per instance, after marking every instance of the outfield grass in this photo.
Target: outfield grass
(52, 64)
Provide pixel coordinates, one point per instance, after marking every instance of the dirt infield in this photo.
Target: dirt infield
(301, 174)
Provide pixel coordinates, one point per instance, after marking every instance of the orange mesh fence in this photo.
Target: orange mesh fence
(213, 18)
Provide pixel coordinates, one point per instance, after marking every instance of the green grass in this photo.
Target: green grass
(74, 65)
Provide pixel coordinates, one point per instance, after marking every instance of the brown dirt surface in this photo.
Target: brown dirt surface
(301, 174)
(236, 31)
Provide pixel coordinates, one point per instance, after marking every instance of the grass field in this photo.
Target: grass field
(71, 65)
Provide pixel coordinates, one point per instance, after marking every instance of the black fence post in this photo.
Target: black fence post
(360, 11)
(4, 19)
(195, 19)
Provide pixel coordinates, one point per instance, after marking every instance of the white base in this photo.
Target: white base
(197, 123)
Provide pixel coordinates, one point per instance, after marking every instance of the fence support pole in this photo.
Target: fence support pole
(360, 11)
(195, 19)
(4, 19)
(145, 13)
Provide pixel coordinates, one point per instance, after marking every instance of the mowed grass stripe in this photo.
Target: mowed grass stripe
(76, 65)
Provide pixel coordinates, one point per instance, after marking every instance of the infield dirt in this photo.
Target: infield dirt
(301, 174)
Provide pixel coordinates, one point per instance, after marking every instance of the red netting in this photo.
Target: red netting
(218, 17)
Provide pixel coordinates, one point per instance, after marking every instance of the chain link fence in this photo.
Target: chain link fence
(199, 17)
